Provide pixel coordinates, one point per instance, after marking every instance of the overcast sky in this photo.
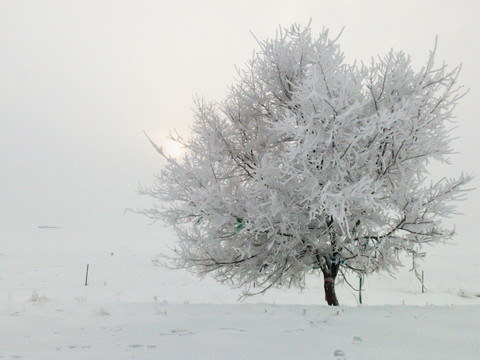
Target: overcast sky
(81, 80)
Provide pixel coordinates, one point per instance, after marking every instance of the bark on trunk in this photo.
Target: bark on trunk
(330, 296)
(331, 266)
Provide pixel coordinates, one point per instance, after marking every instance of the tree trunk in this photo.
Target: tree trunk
(331, 266)
(330, 296)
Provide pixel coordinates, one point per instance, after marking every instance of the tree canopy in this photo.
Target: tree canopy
(312, 164)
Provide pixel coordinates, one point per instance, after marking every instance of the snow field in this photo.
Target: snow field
(50, 330)
(133, 309)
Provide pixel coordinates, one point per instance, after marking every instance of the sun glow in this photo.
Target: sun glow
(174, 149)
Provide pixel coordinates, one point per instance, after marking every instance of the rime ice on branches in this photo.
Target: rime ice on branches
(311, 164)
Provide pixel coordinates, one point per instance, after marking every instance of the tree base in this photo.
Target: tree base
(330, 296)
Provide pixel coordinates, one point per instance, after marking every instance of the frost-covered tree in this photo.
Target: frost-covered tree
(311, 165)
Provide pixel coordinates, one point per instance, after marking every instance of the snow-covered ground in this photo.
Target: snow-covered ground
(134, 309)
(52, 330)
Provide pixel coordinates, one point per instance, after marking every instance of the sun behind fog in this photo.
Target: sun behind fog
(174, 149)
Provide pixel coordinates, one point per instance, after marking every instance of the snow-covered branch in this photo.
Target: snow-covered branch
(311, 163)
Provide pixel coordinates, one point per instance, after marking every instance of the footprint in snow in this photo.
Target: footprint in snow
(294, 330)
(102, 312)
(138, 346)
(179, 332)
(357, 340)
(72, 347)
(339, 355)
(231, 329)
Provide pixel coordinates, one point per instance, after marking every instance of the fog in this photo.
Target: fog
(81, 80)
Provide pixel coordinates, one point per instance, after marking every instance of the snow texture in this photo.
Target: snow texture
(133, 309)
(163, 331)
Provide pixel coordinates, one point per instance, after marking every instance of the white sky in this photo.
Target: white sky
(81, 80)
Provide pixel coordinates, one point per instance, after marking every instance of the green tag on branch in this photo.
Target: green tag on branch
(239, 224)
